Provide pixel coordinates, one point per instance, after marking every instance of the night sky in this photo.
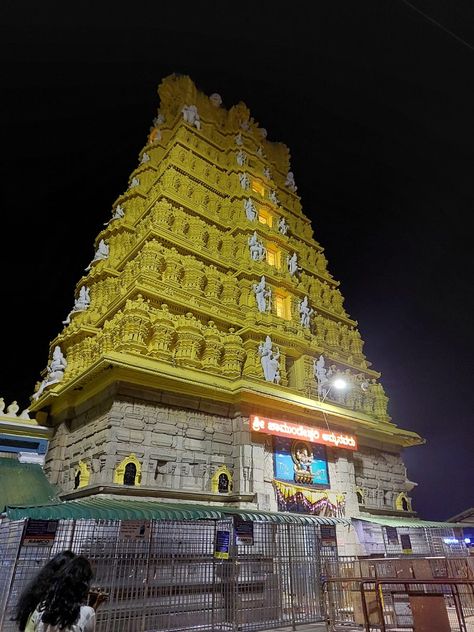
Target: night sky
(374, 100)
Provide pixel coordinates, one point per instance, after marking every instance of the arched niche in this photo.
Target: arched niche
(402, 502)
(128, 471)
(222, 482)
(360, 495)
(81, 475)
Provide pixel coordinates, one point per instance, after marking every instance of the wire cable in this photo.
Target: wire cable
(433, 21)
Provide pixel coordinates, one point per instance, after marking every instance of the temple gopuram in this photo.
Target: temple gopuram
(207, 358)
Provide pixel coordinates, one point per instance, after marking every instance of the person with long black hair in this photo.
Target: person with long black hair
(36, 590)
(63, 609)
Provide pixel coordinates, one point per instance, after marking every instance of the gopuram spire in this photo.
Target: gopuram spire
(206, 281)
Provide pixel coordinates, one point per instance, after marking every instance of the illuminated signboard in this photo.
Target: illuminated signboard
(299, 431)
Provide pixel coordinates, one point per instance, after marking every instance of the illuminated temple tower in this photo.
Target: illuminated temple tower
(199, 360)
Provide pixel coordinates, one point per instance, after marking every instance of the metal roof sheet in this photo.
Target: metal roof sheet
(396, 521)
(106, 508)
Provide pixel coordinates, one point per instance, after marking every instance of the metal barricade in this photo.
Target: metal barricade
(437, 605)
(164, 575)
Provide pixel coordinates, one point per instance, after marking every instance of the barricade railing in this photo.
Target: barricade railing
(382, 604)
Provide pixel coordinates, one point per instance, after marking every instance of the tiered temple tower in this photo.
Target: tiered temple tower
(208, 311)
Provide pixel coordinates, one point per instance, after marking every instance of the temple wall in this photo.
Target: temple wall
(380, 476)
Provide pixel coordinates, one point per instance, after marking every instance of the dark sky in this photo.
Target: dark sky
(376, 103)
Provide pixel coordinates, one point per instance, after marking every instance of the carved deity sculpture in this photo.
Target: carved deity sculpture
(13, 409)
(321, 375)
(80, 304)
(55, 371)
(305, 312)
(159, 120)
(239, 140)
(263, 295)
(145, 158)
(134, 183)
(250, 210)
(283, 226)
(270, 361)
(191, 116)
(241, 158)
(292, 263)
(257, 249)
(290, 182)
(101, 253)
(273, 197)
(267, 173)
(215, 99)
(117, 214)
(244, 181)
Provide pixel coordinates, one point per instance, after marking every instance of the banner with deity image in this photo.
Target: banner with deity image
(300, 462)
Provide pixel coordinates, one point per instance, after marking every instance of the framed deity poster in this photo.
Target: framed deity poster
(300, 462)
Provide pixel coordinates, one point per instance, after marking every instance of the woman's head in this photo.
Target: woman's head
(68, 591)
(37, 589)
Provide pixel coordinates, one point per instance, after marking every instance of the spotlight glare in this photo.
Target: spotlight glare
(339, 383)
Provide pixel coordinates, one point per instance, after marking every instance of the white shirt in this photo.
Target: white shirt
(85, 622)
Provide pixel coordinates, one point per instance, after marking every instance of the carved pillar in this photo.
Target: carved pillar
(135, 326)
(163, 334)
(193, 277)
(189, 342)
(212, 348)
(234, 354)
(331, 333)
(173, 269)
(230, 290)
(213, 283)
(252, 366)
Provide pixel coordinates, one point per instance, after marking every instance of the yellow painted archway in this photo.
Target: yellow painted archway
(121, 469)
(84, 474)
(402, 502)
(223, 470)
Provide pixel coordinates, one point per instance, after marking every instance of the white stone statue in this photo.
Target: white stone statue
(158, 120)
(101, 253)
(118, 213)
(191, 116)
(290, 182)
(292, 263)
(267, 173)
(239, 140)
(55, 371)
(282, 225)
(250, 210)
(134, 183)
(263, 132)
(270, 361)
(273, 197)
(80, 304)
(257, 249)
(244, 181)
(322, 376)
(25, 414)
(145, 158)
(305, 312)
(241, 158)
(13, 409)
(2, 405)
(244, 125)
(215, 99)
(263, 295)
(260, 152)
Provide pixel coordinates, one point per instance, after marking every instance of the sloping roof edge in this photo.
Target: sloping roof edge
(100, 508)
(391, 521)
